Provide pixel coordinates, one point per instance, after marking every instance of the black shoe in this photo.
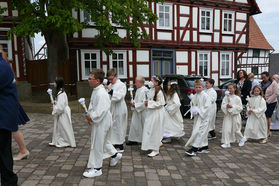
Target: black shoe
(129, 143)
(191, 152)
(203, 150)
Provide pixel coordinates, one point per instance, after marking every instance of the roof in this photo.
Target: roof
(256, 38)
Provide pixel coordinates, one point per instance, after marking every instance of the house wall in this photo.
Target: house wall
(249, 62)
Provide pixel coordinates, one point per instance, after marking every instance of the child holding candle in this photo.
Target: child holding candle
(117, 91)
(139, 113)
(174, 127)
(200, 109)
(256, 126)
(100, 117)
(153, 129)
(63, 134)
(213, 97)
(232, 107)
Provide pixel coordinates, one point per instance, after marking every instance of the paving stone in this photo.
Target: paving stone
(248, 165)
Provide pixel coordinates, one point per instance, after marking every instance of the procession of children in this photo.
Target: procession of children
(156, 117)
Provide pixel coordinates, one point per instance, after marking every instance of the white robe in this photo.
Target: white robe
(153, 130)
(213, 108)
(256, 125)
(138, 117)
(231, 129)
(101, 146)
(63, 134)
(199, 135)
(173, 119)
(119, 113)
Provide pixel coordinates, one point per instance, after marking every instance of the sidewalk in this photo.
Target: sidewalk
(254, 164)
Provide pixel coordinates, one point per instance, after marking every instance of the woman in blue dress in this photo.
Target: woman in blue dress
(23, 119)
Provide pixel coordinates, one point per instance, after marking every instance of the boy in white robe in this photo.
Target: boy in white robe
(63, 134)
(212, 112)
(99, 117)
(201, 106)
(117, 91)
(139, 113)
(256, 125)
(153, 130)
(232, 107)
(174, 127)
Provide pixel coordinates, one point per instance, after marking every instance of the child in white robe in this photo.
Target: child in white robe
(117, 91)
(256, 125)
(232, 107)
(174, 127)
(199, 138)
(153, 130)
(139, 113)
(99, 117)
(63, 134)
(213, 97)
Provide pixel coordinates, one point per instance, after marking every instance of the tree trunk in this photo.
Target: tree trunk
(57, 51)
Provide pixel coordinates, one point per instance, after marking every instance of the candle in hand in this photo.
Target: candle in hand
(82, 102)
(49, 91)
(131, 89)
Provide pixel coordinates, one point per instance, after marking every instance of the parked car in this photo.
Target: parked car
(186, 86)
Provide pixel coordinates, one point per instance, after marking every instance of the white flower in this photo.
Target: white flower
(248, 98)
(81, 101)
(191, 96)
(105, 82)
(227, 93)
(49, 91)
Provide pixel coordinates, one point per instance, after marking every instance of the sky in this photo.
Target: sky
(268, 21)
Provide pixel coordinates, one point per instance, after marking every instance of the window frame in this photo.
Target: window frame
(208, 63)
(124, 52)
(230, 65)
(259, 52)
(82, 55)
(9, 44)
(223, 22)
(170, 27)
(252, 70)
(91, 23)
(211, 20)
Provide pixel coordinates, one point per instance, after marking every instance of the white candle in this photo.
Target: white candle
(49, 91)
(82, 102)
(131, 89)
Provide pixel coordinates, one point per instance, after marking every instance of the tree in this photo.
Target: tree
(53, 18)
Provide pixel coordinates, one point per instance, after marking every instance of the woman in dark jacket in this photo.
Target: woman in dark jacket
(244, 85)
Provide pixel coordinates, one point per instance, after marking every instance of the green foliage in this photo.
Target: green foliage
(47, 16)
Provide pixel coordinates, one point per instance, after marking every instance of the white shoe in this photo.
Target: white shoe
(91, 173)
(225, 146)
(24, 156)
(242, 142)
(114, 161)
(161, 144)
(153, 153)
(166, 140)
(61, 146)
(51, 144)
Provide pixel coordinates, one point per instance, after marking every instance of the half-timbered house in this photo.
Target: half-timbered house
(203, 37)
(257, 58)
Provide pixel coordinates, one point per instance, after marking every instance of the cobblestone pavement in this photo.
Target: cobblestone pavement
(253, 164)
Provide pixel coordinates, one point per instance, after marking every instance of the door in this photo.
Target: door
(162, 62)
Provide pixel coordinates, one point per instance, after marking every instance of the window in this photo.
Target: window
(86, 17)
(6, 43)
(203, 64)
(90, 60)
(225, 64)
(256, 53)
(228, 22)
(164, 16)
(119, 63)
(205, 20)
(255, 70)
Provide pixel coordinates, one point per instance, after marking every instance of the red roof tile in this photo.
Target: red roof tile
(256, 37)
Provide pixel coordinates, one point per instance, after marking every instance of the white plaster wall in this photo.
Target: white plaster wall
(217, 19)
(89, 33)
(164, 36)
(183, 70)
(130, 55)
(215, 61)
(195, 17)
(193, 61)
(227, 39)
(184, 9)
(181, 57)
(205, 38)
(142, 56)
(143, 70)
(241, 16)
